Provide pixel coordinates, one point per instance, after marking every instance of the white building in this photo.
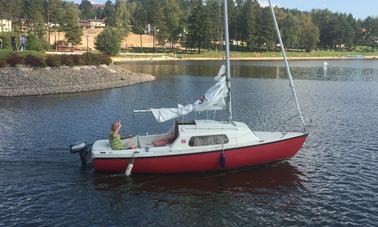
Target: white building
(92, 23)
(5, 25)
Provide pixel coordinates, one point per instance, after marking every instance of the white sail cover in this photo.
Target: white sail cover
(213, 99)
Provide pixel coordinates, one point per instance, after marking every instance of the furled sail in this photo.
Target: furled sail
(213, 99)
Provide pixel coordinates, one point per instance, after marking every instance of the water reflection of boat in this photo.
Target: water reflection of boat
(257, 179)
(201, 145)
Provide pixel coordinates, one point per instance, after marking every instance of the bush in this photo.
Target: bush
(3, 62)
(109, 41)
(95, 59)
(4, 54)
(14, 59)
(35, 60)
(53, 60)
(33, 43)
(105, 59)
(46, 45)
(66, 60)
(38, 59)
(78, 59)
(6, 37)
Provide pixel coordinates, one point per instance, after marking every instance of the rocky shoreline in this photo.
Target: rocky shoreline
(24, 81)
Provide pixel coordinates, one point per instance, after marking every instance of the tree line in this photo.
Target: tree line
(198, 24)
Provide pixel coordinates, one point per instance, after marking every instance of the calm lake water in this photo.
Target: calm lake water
(332, 181)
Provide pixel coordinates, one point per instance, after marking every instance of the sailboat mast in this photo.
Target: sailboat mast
(228, 65)
(287, 64)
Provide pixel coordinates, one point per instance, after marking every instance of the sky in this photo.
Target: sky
(358, 8)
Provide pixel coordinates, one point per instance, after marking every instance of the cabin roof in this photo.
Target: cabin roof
(211, 124)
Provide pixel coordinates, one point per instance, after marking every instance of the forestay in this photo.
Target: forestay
(213, 99)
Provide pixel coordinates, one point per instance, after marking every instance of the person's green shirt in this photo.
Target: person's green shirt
(115, 142)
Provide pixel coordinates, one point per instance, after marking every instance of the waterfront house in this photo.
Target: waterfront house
(92, 23)
(5, 25)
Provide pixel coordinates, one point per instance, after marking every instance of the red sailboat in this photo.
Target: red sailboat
(200, 145)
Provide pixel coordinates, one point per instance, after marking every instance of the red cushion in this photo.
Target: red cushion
(160, 142)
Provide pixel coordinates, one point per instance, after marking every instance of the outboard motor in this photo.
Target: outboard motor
(82, 148)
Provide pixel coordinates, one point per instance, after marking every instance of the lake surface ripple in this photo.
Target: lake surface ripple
(332, 181)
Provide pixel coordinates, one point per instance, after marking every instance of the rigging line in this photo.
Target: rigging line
(135, 127)
(282, 125)
(287, 64)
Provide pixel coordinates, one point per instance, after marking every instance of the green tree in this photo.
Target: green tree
(170, 26)
(358, 28)
(109, 41)
(232, 18)
(54, 13)
(247, 23)
(109, 13)
(34, 43)
(122, 17)
(309, 33)
(99, 12)
(12, 10)
(349, 32)
(155, 16)
(70, 25)
(290, 29)
(346, 30)
(329, 28)
(266, 36)
(86, 10)
(36, 18)
(214, 13)
(370, 32)
(198, 28)
(139, 21)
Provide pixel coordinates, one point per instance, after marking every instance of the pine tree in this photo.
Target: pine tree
(35, 14)
(70, 26)
(170, 26)
(198, 28)
(155, 16)
(214, 13)
(86, 10)
(232, 19)
(370, 36)
(11, 10)
(109, 13)
(309, 33)
(139, 20)
(54, 13)
(247, 23)
(290, 30)
(122, 17)
(266, 36)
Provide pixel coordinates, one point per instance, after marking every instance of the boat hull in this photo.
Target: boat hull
(207, 161)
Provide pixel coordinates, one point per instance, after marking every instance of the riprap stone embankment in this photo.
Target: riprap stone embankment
(23, 81)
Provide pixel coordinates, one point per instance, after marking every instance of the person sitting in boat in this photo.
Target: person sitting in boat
(114, 136)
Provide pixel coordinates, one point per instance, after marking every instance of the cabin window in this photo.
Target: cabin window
(207, 140)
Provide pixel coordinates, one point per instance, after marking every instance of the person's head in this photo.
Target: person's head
(115, 125)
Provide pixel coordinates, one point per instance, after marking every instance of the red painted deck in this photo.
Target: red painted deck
(208, 161)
